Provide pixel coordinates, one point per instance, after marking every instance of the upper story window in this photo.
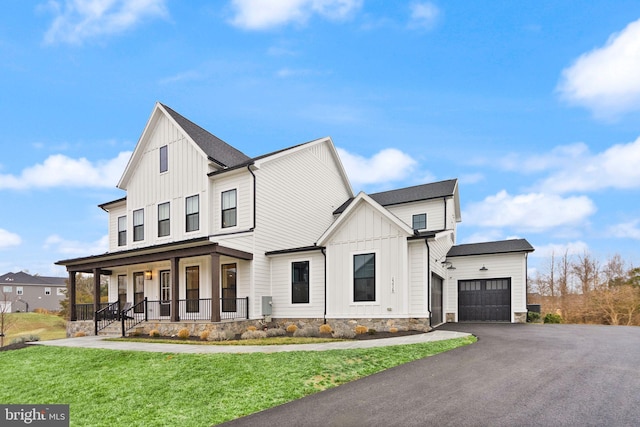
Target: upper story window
(193, 213)
(300, 282)
(163, 219)
(47, 291)
(138, 225)
(122, 231)
(19, 290)
(7, 289)
(229, 209)
(364, 277)
(420, 221)
(164, 159)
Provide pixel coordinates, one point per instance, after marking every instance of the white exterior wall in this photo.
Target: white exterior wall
(418, 279)
(281, 280)
(147, 187)
(368, 231)
(433, 208)
(499, 266)
(114, 213)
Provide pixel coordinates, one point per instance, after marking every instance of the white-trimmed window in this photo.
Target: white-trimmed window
(193, 213)
(420, 221)
(7, 289)
(19, 290)
(164, 159)
(47, 291)
(138, 225)
(229, 208)
(164, 226)
(122, 230)
(300, 282)
(364, 277)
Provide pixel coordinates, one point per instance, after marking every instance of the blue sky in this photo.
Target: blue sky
(533, 105)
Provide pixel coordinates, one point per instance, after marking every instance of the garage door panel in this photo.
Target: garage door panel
(484, 300)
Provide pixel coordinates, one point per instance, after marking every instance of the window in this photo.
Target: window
(7, 289)
(138, 291)
(229, 209)
(47, 291)
(165, 293)
(19, 290)
(122, 231)
(138, 225)
(122, 291)
(164, 159)
(61, 292)
(364, 277)
(300, 282)
(163, 219)
(420, 222)
(193, 289)
(193, 213)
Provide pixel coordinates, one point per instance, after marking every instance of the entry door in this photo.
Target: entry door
(165, 293)
(229, 294)
(138, 291)
(436, 300)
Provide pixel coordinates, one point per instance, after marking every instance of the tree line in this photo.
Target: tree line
(582, 289)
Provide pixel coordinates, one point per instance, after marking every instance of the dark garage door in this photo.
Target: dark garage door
(484, 300)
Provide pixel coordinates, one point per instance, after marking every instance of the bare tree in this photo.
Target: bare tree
(613, 271)
(6, 321)
(586, 270)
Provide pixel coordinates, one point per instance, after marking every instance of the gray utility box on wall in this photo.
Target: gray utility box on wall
(267, 303)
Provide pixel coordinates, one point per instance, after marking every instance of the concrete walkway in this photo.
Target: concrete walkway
(101, 343)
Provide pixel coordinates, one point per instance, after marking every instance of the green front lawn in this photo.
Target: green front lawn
(107, 388)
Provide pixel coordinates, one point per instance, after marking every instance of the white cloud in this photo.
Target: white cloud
(626, 230)
(533, 212)
(265, 14)
(559, 157)
(388, 165)
(423, 15)
(558, 249)
(607, 79)
(616, 167)
(78, 20)
(74, 247)
(8, 239)
(61, 171)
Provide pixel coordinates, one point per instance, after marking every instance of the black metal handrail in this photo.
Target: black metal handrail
(106, 316)
(134, 315)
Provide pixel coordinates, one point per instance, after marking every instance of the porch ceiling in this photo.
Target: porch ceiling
(184, 249)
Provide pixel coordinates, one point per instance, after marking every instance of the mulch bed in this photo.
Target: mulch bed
(15, 346)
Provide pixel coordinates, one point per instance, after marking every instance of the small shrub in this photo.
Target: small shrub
(306, 332)
(253, 335)
(154, 333)
(252, 328)
(552, 318)
(41, 310)
(393, 330)
(344, 334)
(204, 335)
(79, 334)
(533, 317)
(325, 329)
(361, 330)
(25, 338)
(372, 331)
(276, 332)
(183, 334)
(292, 328)
(222, 336)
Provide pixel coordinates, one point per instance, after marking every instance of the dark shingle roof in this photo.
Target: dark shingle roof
(217, 150)
(416, 193)
(487, 248)
(22, 278)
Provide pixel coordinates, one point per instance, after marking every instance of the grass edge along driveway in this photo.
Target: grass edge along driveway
(105, 387)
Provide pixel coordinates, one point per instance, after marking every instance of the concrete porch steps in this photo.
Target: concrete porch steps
(113, 330)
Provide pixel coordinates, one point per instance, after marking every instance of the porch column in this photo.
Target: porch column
(215, 287)
(175, 287)
(96, 289)
(73, 316)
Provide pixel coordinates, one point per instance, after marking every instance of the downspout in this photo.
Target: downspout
(426, 241)
(324, 315)
(444, 199)
(254, 197)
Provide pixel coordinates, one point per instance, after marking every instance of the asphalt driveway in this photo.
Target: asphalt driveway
(515, 375)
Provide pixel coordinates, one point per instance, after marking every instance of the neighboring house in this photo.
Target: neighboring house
(206, 233)
(23, 292)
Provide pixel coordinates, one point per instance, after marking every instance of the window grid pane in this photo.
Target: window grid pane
(229, 211)
(420, 222)
(138, 225)
(364, 277)
(193, 213)
(163, 219)
(300, 282)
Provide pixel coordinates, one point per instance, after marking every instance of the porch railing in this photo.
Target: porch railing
(199, 309)
(86, 311)
(134, 315)
(106, 316)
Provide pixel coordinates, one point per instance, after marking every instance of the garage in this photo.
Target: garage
(484, 300)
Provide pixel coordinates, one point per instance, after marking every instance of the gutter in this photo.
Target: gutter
(324, 315)
(254, 197)
(426, 241)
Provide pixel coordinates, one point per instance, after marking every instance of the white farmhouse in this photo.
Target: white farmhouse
(209, 238)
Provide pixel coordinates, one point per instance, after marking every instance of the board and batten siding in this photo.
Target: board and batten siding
(281, 279)
(186, 176)
(368, 231)
(499, 266)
